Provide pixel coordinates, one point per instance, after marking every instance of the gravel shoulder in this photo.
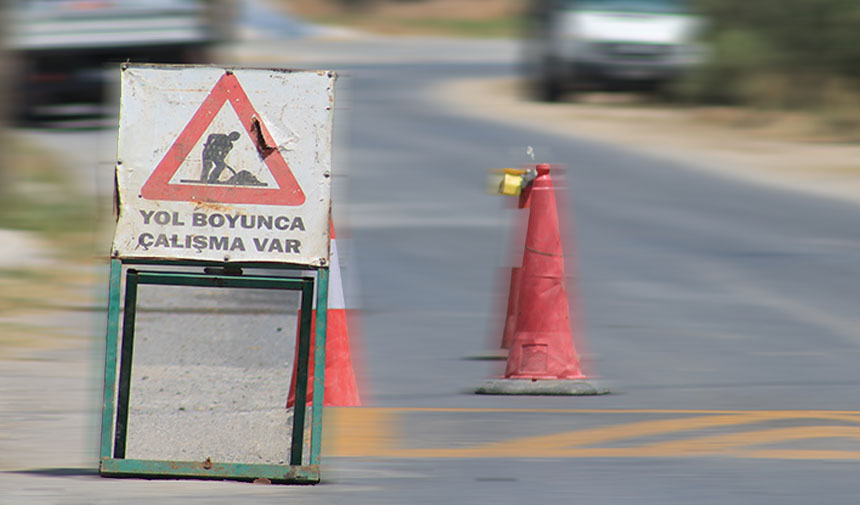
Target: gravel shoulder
(755, 155)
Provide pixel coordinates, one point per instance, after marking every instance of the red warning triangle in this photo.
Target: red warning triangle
(243, 189)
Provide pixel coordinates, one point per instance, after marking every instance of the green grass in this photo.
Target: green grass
(37, 195)
(506, 27)
(488, 28)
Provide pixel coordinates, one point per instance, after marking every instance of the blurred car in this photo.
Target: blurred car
(605, 44)
(60, 48)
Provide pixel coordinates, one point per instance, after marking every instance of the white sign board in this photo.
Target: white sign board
(224, 164)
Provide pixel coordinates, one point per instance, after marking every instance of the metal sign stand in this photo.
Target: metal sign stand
(180, 209)
(118, 358)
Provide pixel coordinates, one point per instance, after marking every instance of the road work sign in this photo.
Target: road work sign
(222, 164)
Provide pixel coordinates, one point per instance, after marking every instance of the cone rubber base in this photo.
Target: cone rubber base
(543, 387)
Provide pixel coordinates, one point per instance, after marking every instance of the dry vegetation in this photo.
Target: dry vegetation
(416, 17)
(56, 227)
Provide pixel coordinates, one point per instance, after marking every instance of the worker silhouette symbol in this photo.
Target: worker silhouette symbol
(215, 151)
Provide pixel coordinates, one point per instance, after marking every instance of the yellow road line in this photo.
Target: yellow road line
(728, 442)
(375, 432)
(355, 432)
(818, 413)
(563, 444)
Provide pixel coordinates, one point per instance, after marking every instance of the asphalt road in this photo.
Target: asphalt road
(722, 315)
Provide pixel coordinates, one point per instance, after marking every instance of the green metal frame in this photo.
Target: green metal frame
(118, 358)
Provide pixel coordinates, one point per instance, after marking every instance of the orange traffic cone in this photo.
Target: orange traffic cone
(340, 386)
(542, 358)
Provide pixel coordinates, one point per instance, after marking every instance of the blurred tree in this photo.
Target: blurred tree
(784, 53)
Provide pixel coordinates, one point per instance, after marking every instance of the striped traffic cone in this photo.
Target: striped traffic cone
(340, 386)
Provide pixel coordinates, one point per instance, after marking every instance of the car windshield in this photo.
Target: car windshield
(635, 6)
